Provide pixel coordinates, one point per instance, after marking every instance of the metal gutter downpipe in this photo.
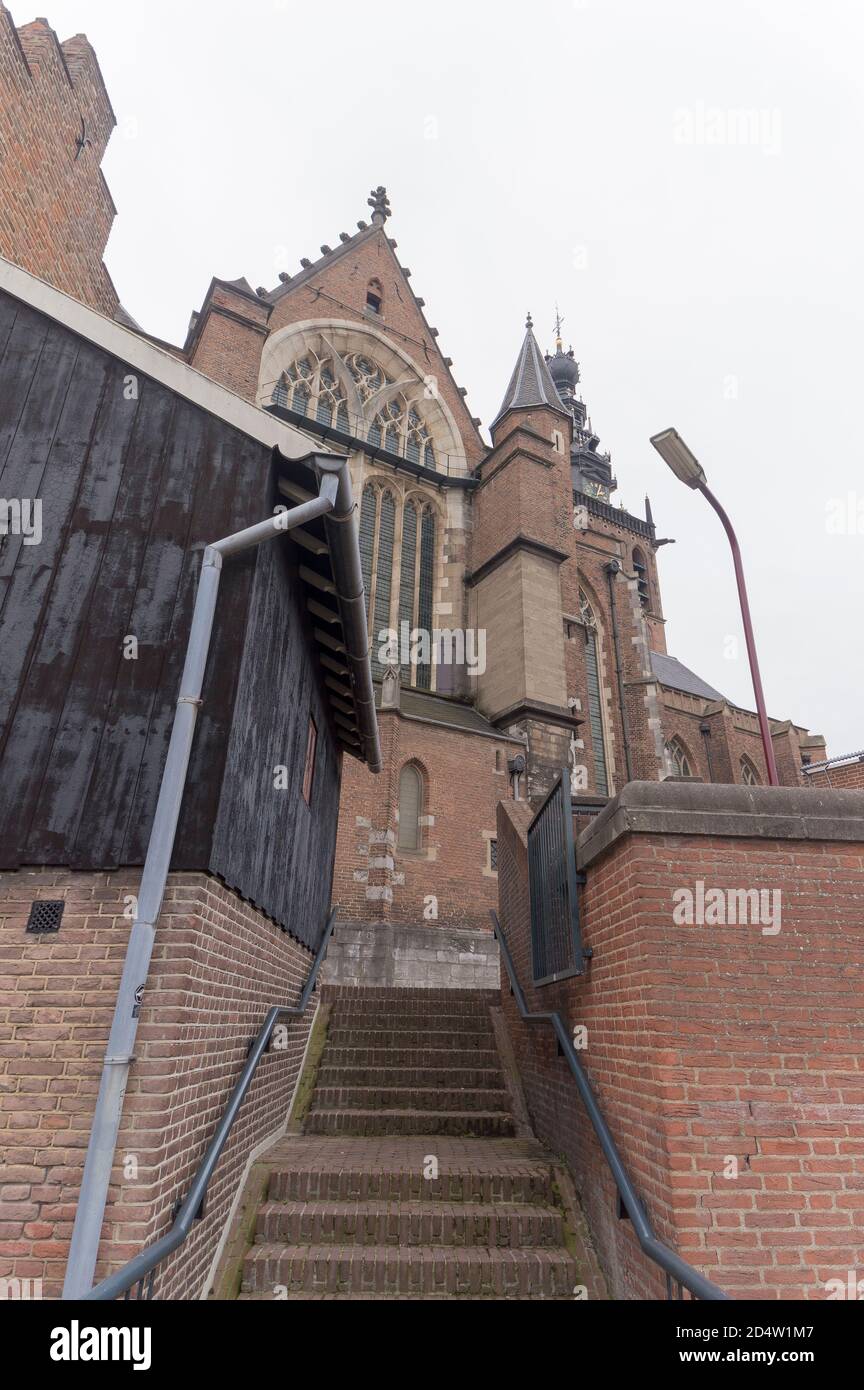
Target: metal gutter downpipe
(90, 1211)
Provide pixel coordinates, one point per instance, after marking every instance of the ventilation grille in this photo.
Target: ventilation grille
(45, 917)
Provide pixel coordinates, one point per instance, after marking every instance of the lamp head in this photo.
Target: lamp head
(674, 452)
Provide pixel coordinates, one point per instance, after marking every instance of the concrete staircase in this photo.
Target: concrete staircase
(410, 1180)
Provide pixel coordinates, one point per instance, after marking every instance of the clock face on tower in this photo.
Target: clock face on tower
(592, 489)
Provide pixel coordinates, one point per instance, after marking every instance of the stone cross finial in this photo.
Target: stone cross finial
(529, 322)
(380, 205)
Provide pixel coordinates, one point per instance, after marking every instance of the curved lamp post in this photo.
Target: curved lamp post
(686, 467)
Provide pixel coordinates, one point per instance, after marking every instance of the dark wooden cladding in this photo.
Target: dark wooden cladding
(131, 491)
(290, 856)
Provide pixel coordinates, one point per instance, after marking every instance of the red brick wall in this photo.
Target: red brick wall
(229, 339)
(217, 966)
(55, 208)
(850, 775)
(462, 792)
(706, 1043)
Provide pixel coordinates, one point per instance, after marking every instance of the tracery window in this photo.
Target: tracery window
(416, 579)
(677, 759)
(749, 775)
(311, 387)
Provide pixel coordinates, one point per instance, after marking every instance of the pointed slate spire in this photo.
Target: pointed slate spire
(531, 383)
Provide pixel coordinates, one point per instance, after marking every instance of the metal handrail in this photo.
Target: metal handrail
(137, 1270)
(674, 1267)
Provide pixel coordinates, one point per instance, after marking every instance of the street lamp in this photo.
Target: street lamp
(687, 468)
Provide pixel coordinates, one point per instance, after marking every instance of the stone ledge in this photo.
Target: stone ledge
(758, 813)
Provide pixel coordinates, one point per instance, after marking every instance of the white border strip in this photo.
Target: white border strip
(156, 363)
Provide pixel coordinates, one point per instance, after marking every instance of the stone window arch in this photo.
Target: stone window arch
(678, 761)
(412, 796)
(350, 376)
(749, 776)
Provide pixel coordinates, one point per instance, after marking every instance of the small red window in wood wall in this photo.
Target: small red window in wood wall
(309, 769)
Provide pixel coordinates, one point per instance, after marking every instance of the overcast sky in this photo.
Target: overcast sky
(682, 176)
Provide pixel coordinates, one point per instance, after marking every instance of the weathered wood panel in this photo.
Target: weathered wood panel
(133, 486)
(289, 855)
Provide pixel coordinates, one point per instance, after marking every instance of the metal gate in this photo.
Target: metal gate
(553, 885)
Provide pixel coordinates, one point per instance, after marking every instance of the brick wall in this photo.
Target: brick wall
(217, 966)
(465, 775)
(849, 775)
(55, 208)
(712, 1049)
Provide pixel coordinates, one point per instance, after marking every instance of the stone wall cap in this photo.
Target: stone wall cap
(737, 812)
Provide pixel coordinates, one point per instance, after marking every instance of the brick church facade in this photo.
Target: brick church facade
(546, 594)
(515, 630)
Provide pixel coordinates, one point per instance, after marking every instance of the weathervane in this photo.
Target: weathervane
(559, 324)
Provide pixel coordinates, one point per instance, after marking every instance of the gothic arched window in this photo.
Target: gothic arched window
(641, 570)
(595, 696)
(410, 806)
(311, 387)
(678, 759)
(749, 775)
(417, 582)
(377, 531)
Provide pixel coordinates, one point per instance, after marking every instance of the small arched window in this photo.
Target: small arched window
(677, 759)
(410, 806)
(749, 775)
(640, 569)
(375, 296)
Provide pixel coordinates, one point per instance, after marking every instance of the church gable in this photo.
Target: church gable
(362, 281)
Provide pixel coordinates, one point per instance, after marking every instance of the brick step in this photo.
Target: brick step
(452, 1078)
(303, 1297)
(528, 1185)
(409, 1098)
(418, 1269)
(415, 1038)
(477, 1123)
(413, 1022)
(412, 1057)
(460, 1224)
(386, 995)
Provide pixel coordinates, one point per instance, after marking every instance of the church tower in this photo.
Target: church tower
(522, 536)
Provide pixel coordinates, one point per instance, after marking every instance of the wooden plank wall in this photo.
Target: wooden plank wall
(131, 489)
(290, 858)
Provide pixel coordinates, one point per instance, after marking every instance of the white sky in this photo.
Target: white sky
(585, 152)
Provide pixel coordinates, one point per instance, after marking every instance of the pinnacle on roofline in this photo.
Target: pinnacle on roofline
(380, 205)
